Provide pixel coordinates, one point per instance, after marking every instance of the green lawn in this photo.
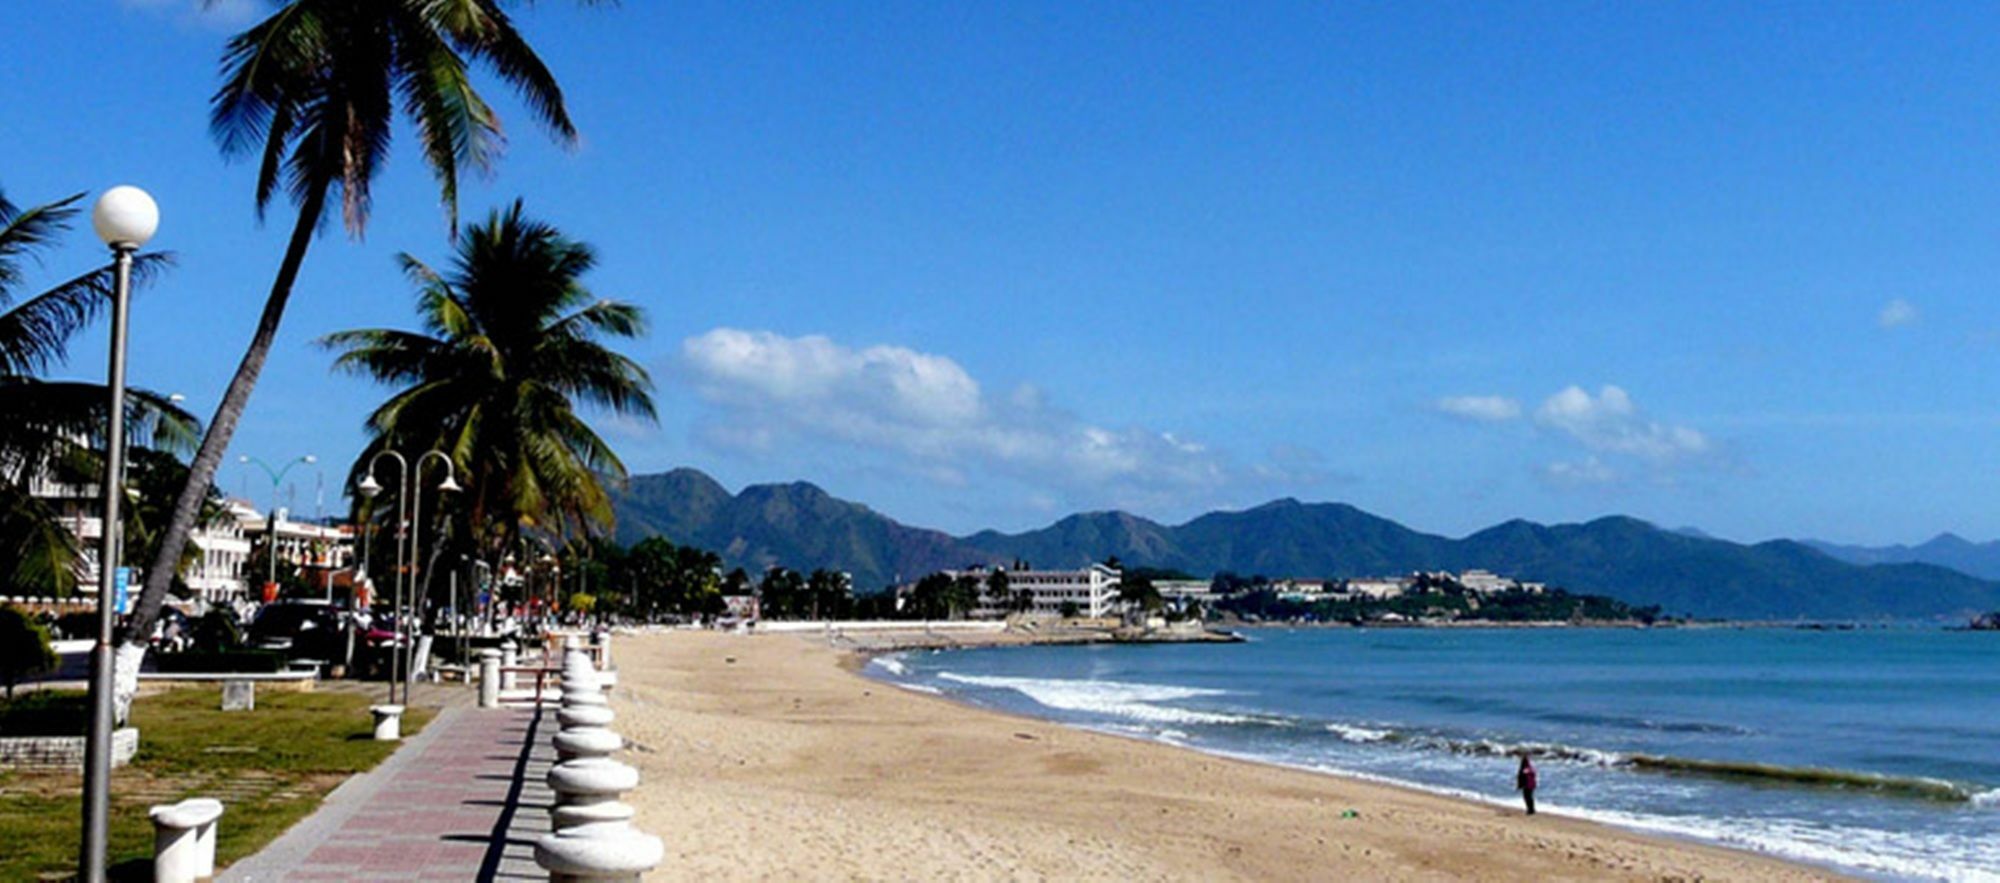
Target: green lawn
(270, 768)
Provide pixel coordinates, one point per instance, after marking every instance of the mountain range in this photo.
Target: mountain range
(801, 526)
(1944, 550)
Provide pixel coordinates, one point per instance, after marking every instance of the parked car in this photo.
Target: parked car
(302, 630)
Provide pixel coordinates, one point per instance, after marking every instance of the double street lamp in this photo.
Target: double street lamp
(409, 508)
(125, 218)
(271, 526)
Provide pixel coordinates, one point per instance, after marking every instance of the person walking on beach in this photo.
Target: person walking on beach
(1525, 780)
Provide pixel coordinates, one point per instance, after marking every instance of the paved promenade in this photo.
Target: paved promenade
(463, 800)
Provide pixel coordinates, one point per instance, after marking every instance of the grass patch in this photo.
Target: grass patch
(270, 767)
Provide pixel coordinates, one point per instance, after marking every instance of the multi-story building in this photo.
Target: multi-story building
(1484, 582)
(1093, 590)
(316, 547)
(1378, 588)
(221, 551)
(1306, 590)
(1181, 592)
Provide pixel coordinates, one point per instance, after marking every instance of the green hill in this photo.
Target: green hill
(801, 526)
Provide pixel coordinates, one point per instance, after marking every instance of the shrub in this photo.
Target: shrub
(24, 648)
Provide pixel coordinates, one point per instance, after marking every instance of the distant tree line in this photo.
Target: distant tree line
(1437, 599)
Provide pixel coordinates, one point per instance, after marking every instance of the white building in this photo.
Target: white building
(1484, 582)
(1179, 592)
(1378, 588)
(1305, 590)
(221, 550)
(221, 547)
(300, 543)
(1093, 589)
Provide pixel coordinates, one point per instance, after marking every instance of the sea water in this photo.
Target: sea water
(1872, 751)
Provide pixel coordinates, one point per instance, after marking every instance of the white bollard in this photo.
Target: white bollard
(593, 837)
(510, 656)
(587, 790)
(388, 722)
(608, 851)
(489, 678)
(184, 840)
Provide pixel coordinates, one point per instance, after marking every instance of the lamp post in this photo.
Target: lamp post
(271, 524)
(406, 547)
(369, 487)
(448, 485)
(125, 217)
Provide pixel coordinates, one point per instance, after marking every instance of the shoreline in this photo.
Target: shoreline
(774, 757)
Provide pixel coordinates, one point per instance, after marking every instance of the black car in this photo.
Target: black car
(301, 630)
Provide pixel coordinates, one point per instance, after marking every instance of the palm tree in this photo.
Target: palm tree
(511, 348)
(314, 92)
(51, 431)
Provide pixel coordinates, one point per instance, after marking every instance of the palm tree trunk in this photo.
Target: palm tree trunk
(201, 473)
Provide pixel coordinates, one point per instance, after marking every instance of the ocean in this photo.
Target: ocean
(1876, 752)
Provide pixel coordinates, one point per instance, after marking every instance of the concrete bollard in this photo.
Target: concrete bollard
(184, 840)
(388, 722)
(608, 851)
(587, 790)
(510, 656)
(489, 678)
(593, 837)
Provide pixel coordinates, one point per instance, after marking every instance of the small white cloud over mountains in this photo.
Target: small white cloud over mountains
(929, 417)
(1482, 409)
(1611, 423)
(1896, 313)
(1607, 428)
(1587, 472)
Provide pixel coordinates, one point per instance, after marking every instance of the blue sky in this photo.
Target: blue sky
(984, 264)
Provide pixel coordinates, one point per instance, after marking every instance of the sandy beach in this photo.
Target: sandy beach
(769, 757)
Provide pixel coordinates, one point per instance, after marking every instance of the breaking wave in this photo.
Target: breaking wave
(1918, 787)
(1141, 702)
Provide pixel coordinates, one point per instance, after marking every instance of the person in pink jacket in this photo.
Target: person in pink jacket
(1525, 781)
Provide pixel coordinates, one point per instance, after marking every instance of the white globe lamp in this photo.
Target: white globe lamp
(125, 217)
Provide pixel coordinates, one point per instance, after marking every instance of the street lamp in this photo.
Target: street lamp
(407, 503)
(271, 526)
(369, 488)
(447, 486)
(125, 218)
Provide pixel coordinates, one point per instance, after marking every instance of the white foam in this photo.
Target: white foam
(1352, 733)
(1987, 799)
(891, 663)
(1141, 702)
(1896, 854)
(1869, 849)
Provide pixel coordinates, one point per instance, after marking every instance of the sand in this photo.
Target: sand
(768, 758)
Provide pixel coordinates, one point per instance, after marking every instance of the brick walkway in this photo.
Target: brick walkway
(463, 800)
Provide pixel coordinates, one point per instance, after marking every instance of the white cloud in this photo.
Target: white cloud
(1480, 409)
(1610, 423)
(931, 418)
(1896, 313)
(1587, 472)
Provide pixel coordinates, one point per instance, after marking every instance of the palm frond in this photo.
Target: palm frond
(35, 334)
